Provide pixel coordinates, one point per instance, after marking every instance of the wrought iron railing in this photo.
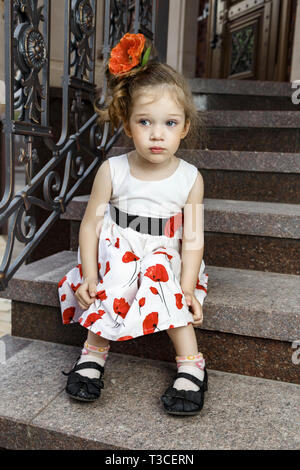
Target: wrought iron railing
(27, 62)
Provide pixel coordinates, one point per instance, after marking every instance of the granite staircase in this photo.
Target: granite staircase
(251, 329)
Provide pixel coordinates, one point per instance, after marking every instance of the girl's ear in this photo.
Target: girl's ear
(127, 129)
(186, 129)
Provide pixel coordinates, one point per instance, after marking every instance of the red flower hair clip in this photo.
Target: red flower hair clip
(127, 54)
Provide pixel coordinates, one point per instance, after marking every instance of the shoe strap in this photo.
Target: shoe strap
(190, 377)
(88, 365)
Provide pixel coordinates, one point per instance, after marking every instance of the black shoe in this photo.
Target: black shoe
(83, 388)
(185, 402)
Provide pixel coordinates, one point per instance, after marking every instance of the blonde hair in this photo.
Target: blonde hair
(123, 89)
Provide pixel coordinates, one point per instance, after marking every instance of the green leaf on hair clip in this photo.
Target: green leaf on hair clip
(146, 56)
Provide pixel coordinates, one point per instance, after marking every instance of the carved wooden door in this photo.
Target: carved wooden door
(253, 39)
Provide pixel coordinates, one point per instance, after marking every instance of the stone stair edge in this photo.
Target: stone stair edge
(241, 87)
(237, 119)
(230, 309)
(32, 436)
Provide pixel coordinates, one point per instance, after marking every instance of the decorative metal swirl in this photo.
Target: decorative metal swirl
(118, 22)
(145, 16)
(82, 26)
(85, 18)
(30, 57)
(35, 49)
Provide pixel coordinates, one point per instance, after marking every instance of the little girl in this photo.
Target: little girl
(140, 268)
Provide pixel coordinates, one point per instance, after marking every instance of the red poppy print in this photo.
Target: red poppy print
(107, 268)
(178, 298)
(62, 281)
(101, 313)
(200, 287)
(124, 338)
(117, 244)
(63, 297)
(79, 266)
(163, 253)
(121, 307)
(68, 315)
(150, 323)
(142, 302)
(101, 295)
(128, 257)
(158, 273)
(74, 288)
(154, 290)
(91, 319)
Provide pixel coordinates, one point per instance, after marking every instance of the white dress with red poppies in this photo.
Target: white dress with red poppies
(139, 290)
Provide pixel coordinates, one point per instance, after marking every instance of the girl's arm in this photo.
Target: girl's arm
(92, 220)
(193, 237)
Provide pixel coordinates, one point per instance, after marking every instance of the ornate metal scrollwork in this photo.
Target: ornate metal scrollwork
(145, 17)
(82, 27)
(30, 55)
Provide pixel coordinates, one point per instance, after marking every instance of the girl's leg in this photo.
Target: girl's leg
(184, 340)
(95, 350)
(188, 358)
(96, 340)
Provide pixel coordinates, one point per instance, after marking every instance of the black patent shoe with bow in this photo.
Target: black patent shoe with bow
(185, 402)
(83, 388)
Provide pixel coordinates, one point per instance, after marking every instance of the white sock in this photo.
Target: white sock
(193, 365)
(94, 354)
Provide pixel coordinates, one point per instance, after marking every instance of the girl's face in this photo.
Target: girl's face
(156, 125)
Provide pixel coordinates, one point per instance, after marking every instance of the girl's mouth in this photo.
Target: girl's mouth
(156, 149)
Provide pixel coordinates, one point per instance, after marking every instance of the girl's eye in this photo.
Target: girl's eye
(142, 121)
(173, 122)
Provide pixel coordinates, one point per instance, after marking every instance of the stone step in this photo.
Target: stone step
(265, 131)
(244, 309)
(240, 87)
(239, 234)
(213, 94)
(248, 176)
(252, 119)
(36, 413)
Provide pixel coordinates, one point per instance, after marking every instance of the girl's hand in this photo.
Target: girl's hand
(86, 293)
(195, 306)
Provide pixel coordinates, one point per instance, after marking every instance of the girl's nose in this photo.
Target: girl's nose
(156, 132)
